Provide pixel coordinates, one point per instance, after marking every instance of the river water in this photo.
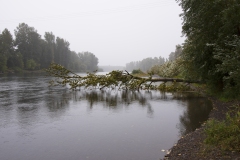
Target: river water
(38, 122)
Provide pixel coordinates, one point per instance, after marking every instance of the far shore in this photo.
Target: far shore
(23, 71)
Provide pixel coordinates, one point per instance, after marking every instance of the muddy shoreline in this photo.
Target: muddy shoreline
(191, 146)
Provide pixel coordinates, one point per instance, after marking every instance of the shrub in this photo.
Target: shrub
(137, 71)
(225, 134)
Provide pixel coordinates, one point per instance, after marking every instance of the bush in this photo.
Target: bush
(137, 71)
(225, 134)
(17, 69)
(173, 87)
(31, 64)
(3, 63)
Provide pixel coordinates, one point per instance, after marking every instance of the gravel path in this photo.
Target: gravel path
(191, 147)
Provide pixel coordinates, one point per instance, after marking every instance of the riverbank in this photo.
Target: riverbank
(192, 147)
(23, 71)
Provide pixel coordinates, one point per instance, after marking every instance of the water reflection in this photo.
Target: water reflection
(89, 123)
(196, 108)
(194, 115)
(115, 99)
(57, 101)
(31, 96)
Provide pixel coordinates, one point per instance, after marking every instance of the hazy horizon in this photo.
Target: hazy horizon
(117, 32)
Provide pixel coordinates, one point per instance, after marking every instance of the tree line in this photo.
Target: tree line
(146, 64)
(28, 51)
(211, 51)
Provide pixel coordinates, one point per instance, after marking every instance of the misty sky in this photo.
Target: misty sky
(116, 31)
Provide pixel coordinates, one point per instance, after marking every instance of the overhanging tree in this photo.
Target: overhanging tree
(115, 79)
(212, 28)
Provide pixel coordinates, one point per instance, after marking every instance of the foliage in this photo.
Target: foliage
(3, 63)
(115, 79)
(225, 134)
(111, 80)
(28, 43)
(174, 55)
(29, 51)
(229, 55)
(6, 42)
(31, 64)
(15, 61)
(89, 61)
(17, 69)
(6, 49)
(137, 71)
(145, 64)
(212, 29)
(168, 69)
(174, 87)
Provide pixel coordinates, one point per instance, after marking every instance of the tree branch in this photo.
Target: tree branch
(119, 79)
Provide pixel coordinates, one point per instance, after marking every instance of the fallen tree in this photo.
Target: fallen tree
(115, 79)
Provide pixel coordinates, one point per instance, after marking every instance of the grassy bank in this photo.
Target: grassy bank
(218, 138)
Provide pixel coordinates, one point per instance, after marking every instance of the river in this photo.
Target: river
(38, 122)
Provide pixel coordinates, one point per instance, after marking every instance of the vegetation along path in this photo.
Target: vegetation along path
(192, 145)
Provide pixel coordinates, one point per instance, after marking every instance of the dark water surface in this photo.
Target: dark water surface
(42, 123)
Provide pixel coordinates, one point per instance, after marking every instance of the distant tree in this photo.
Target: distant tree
(6, 43)
(15, 61)
(137, 71)
(174, 55)
(6, 49)
(145, 64)
(3, 63)
(29, 51)
(62, 52)
(28, 43)
(49, 46)
(31, 64)
(89, 61)
(75, 62)
(171, 56)
(178, 50)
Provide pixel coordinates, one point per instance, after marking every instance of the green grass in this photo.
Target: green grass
(224, 134)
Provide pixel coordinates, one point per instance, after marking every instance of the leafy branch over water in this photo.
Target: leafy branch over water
(115, 79)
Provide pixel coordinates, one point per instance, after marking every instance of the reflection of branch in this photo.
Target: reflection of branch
(114, 100)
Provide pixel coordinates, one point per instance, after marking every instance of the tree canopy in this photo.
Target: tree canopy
(29, 51)
(145, 64)
(211, 50)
